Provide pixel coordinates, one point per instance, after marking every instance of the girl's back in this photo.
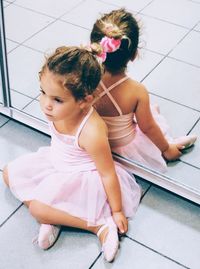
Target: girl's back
(122, 98)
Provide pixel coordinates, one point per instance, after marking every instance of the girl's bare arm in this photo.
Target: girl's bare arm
(95, 142)
(149, 127)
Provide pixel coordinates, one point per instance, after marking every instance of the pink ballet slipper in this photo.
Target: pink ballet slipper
(110, 242)
(47, 235)
(185, 141)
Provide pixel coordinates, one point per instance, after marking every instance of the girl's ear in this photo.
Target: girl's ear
(86, 101)
(89, 98)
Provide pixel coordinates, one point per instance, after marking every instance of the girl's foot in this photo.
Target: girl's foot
(185, 141)
(108, 237)
(47, 235)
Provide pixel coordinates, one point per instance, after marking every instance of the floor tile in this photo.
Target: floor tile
(10, 45)
(49, 7)
(5, 4)
(65, 34)
(74, 250)
(197, 28)
(169, 225)
(19, 100)
(166, 226)
(25, 22)
(143, 64)
(3, 119)
(81, 12)
(182, 16)
(27, 62)
(151, 28)
(133, 5)
(143, 183)
(34, 110)
(134, 255)
(8, 202)
(185, 174)
(17, 139)
(176, 81)
(180, 119)
(191, 42)
(193, 157)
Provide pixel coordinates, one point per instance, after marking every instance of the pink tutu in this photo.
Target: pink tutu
(64, 177)
(142, 150)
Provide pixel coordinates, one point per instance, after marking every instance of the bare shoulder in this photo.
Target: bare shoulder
(94, 130)
(136, 87)
(133, 92)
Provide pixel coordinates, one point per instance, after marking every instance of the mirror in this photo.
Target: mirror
(168, 65)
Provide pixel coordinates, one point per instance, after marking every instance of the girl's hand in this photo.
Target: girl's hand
(172, 153)
(121, 221)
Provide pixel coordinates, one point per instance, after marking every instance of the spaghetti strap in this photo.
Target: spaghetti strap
(106, 91)
(117, 83)
(81, 126)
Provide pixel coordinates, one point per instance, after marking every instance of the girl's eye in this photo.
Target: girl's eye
(42, 92)
(58, 100)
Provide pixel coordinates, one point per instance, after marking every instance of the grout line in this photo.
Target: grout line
(194, 125)
(29, 103)
(95, 260)
(178, 196)
(175, 102)
(182, 61)
(163, 20)
(34, 11)
(153, 51)
(28, 96)
(74, 24)
(5, 122)
(190, 30)
(45, 14)
(157, 252)
(145, 192)
(189, 164)
(146, 6)
(26, 46)
(10, 215)
(55, 19)
(117, 6)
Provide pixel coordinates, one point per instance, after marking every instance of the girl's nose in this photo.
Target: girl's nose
(48, 104)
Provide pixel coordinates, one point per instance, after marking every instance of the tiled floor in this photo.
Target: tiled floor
(165, 232)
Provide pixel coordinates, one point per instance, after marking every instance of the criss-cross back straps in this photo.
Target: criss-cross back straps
(107, 92)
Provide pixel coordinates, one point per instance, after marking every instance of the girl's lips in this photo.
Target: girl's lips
(47, 115)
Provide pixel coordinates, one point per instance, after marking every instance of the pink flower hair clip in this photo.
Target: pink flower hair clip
(108, 45)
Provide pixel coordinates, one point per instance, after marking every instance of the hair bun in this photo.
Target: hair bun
(111, 30)
(96, 48)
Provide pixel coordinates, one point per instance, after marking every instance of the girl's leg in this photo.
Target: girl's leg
(48, 215)
(6, 180)
(107, 233)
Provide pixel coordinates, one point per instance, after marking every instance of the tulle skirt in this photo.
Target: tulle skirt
(81, 194)
(142, 150)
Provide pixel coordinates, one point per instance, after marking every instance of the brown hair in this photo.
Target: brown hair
(118, 24)
(79, 66)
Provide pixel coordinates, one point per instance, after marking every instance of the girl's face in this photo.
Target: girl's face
(57, 103)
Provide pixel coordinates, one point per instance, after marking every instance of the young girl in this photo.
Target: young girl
(136, 130)
(74, 181)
